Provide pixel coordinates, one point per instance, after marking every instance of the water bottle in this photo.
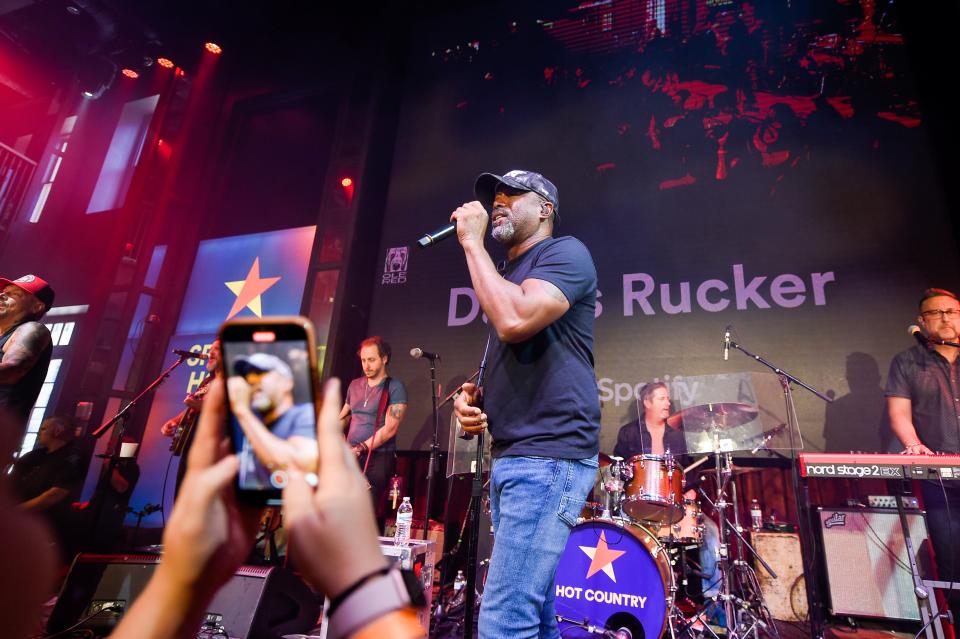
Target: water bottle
(404, 521)
(459, 583)
(756, 515)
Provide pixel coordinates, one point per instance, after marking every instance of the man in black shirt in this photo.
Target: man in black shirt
(650, 434)
(923, 400)
(539, 396)
(47, 479)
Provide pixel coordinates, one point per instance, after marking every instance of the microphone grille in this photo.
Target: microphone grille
(416, 353)
(913, 329)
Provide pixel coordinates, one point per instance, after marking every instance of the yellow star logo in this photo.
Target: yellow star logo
(249, 289)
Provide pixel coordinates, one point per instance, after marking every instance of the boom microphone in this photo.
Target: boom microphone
(441, 233)
(417, 353)
(190, 354)
(918, 335)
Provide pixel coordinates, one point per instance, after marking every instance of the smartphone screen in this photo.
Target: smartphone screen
(270, 386)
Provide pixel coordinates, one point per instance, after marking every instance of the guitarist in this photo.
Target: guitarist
(180, 426)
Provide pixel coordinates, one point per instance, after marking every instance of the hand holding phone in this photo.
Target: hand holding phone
(271, 377)
(331, 523)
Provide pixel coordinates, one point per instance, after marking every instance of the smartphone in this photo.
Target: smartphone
(270, 366)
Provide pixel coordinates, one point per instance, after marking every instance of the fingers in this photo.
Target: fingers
(329, 436)
(212, 481)
(297, 498)
(474, 430)
(469, 387)
(210, 429)
(472, 418)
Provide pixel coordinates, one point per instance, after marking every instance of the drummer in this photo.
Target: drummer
(651, 435)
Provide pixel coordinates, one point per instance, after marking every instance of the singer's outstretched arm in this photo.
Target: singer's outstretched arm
(517, 312)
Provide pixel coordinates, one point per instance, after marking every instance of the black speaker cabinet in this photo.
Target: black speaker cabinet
(257, 603)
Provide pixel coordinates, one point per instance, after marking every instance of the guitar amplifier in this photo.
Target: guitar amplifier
(257, 603)
(868, 571)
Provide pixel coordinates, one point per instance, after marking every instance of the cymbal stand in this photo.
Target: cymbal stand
(741, 568)
(741, 620)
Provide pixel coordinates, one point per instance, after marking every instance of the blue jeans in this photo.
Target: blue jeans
(534, 502)
(709, 563)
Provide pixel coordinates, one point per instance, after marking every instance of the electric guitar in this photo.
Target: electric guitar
(183, 434)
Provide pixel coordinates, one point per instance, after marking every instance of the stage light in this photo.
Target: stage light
(130, 73)
(213, 48)
(347, 185)
(166, 63)
(95, 74)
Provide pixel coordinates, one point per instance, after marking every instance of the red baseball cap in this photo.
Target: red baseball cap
(34, 285)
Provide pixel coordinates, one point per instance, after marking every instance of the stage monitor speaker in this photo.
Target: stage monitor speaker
(259, 602)
(868, 571)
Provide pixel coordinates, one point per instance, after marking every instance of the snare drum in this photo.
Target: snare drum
(688, 530)
(655, 492)
(613, 576)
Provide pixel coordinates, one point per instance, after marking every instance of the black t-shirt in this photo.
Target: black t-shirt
(930, 382)
(634, 439)
(541, 394)
(38, 471)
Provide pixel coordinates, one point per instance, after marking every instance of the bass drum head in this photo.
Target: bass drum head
(615, 577)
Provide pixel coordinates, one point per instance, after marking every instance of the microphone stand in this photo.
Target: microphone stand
(942, 342)
(801, 494)
(444, 555)
(476, 494)
(120, 419)
(434, 447)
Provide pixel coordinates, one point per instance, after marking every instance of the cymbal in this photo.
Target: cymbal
(708, 416)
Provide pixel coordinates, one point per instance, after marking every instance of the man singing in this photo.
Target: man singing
(262, 402)
(922, 399)
(539, 392)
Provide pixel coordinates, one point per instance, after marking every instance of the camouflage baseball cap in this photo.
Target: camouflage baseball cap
(486, 187)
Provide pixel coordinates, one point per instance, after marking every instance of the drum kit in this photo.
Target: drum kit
(625, 562)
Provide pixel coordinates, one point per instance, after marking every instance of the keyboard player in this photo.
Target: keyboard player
(923, 400)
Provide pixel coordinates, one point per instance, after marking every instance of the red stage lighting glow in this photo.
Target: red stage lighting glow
(130, 73)
(346, 183)
(166, 63)
(213, 48)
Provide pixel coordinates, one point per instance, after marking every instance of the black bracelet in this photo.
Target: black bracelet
(339, 599)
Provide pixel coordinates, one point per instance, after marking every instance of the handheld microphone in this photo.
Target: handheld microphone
(190, 354)
(918, 335)
(417, 353)
(441, 233)
(726, 343)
